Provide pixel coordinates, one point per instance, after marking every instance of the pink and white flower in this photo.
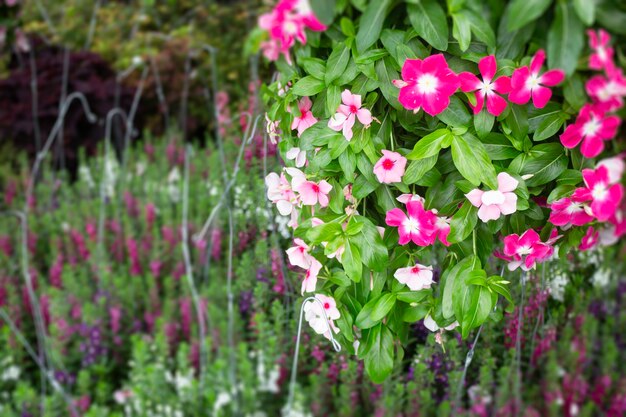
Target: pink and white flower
(608, 91)
(405, 198)
(417, 277)
(314, 315)
(487, 88)
(348, 113)
(299, 254)
(602, 56)
(296, 155)
(311, 192)
(605, 197)
(590, 239)
(442, 226)
(567, 212)
(432, 325)
(526, 250)
(304, 118)
(427, 84)
(418, 225)
(592, 127)
(279, 192)
(273, 132)
(310, 278)
(615, 167)
(390, 167)
(494, 203)
(526, 82)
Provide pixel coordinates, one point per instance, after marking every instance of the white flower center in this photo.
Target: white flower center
(427, 84)
(533, 81)
(599, 192)
(290, 27)
(411, 225)
(574, 208)
(524, 250)
(486, 88)
(591, 127)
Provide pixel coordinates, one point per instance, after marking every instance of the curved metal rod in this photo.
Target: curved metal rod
(294, 366)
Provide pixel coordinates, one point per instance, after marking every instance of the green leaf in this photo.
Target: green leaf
(386, 74)
(347, 161)
(611, 18)
(471, 159)
(431, 144)
(525, 11)
(498, 285)
(456, 114)
(363, 187)
(371, 246)
(483, 123)
(371, 24)
(457, 273)
(474, 309)
(364, 318)
(566, 38)
(499, 148)
(463, 222)
(574, 91)
(384, 304)
(549, 126)
(308, 86)
(511, 44)
(371, 56)
(461, 30)
(418, 168)
(517, 120)
(429, 21)
(477, 277)
(351, 260)
(545, 162)
(314, 66)
(586, 11)
(412, 296)
(481, 28)
(379, 358)
(333, 99)
(324, 10)
(337, 63)
(323, 233)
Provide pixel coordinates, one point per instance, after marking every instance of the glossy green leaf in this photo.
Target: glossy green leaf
(417, 169)
(371, 24)
(337, 63)
(526, 11)
(471, 159)
(308, 86)
(463, 222)
(430, 145)
(379, 359)
(566, 38)
(429, 21)
(383, 305)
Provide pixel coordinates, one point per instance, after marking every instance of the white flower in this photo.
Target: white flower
(12, 373)
(222, 399)
(601, 278)
(557, 286)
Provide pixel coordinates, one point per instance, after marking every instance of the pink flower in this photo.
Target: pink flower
(279, 192)
(310, 192)
(427, 84)
(405, 198)
(314, 315)
(432, 325)
(310, 278)
(494, 203)
(442, 226)
(526, 250)
(418, 277)
(418, 226)
(272, 129)
(305, 119)
(602, 56)
(347, 113)
(298, 156)
(283, 25)
(590, 240)
(567, 212)
(390, 167)
(605, 198)
(527, 82)
(592, 127)
(488, 87)
(608, 91)
(615, 166)
(299, 254)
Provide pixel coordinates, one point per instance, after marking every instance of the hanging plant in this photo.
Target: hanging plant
(432, 145)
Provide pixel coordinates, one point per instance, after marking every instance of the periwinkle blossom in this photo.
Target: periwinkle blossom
(303, 117)
(607, 91)
(298, 255)
(526, 250)
(314, 314)
(592, 127)
(567, 212)
(602, 55)
(604, 196)
(488, 90)
(309, 192)
(310, 278)
(589, 240)
(417, 277)
(348, 112)
(494, 203)
(390, 167)
(296, 155)
(427, 84)
(417, 224)
(527, 82)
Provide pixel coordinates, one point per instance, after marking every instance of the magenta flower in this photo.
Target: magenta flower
(299, 254)
(605, 197)
(310, 278)
(608, 91)
(526, 250)
(567, 212)
(615, 166)
(390, 167)
(418, 226)
(487, 88)
(602, 56)
(279, 192)
(592, 127)
(590, 240)
(493, 203)
(418, 277)
(527, 82)
(427, 84)
(283, 25)
(347, 113)
(442, 226)
(304, 119)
